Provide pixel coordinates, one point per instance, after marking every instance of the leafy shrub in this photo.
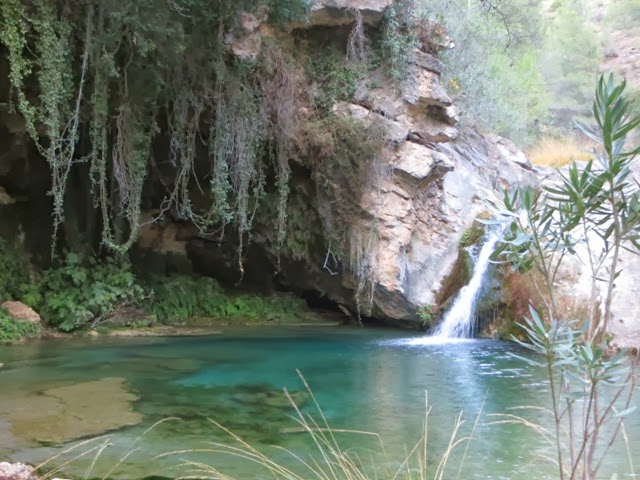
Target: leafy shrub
(471, 236)
(257, 308)
(569, 83)
(81, 290)
(427, 314)
(397, 43)
(182, 298)
(11, 330)
(624, 14)
(14, 273)
(496, 53)
(336, 76)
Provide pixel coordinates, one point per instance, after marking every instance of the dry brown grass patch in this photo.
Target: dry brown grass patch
(556, 152)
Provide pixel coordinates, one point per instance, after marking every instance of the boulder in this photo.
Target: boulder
(409, 97)
(16, 471)
(419, 162)
(421, 86)
(427, 129)
(21, 312)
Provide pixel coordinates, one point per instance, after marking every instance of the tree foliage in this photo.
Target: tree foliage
(495, 53)
(570, 61)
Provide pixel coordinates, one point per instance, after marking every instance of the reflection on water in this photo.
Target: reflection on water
(363, 379)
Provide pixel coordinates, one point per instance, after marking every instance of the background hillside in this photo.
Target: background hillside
(526, 69)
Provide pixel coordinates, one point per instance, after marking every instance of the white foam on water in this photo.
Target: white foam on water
(459, 321)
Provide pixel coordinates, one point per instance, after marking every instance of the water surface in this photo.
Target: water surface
(371, 380)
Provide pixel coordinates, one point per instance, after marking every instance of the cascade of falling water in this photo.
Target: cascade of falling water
(459, 321)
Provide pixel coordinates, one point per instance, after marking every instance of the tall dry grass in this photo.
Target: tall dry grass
(556, 152)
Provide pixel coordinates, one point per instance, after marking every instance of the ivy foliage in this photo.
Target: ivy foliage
(337, 76)
(79, 292)
(14, 285)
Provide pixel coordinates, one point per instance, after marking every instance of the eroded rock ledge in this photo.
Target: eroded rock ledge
(436, 178)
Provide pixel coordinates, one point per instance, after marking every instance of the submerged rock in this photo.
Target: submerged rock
(59, 415)
(272, 398)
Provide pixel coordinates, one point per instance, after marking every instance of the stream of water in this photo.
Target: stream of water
(371, 380)
(460, 319)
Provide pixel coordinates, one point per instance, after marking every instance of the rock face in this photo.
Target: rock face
(341, 12)
(422, 210)
(244, 39)
(427, 190)
(421, 195)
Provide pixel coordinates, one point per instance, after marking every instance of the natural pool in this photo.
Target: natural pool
(364, 379)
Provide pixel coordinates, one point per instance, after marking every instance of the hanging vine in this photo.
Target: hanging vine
(53, 119)
(159, 80)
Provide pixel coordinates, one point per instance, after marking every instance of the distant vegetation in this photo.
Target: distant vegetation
(516, 68)
(624, 14)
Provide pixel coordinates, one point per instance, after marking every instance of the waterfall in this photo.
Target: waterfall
(459, 321)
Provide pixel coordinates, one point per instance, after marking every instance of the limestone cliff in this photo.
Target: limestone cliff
(428, 189)
(408, 209)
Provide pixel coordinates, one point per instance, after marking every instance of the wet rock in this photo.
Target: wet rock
(21, 312)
